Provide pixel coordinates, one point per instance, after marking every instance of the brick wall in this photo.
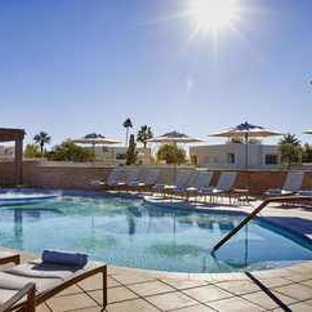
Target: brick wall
(79, 176)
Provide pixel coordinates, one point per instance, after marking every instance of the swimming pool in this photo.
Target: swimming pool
(125, 231)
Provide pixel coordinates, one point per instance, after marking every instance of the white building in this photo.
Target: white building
(232, 156)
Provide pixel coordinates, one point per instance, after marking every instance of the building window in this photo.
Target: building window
(207, 160)
(121, 156)
(231, 158)
(271, 159)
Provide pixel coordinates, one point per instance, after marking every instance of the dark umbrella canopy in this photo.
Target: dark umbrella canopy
(174, 137)
(94, 138)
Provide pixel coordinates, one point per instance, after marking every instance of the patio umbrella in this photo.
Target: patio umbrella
(308, 131)
(95, 139)
(246, 131)
(174, 137)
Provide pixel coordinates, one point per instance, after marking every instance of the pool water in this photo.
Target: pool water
(128, 232)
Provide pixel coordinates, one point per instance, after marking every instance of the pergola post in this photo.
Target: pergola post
(19, 160)
(17, 136)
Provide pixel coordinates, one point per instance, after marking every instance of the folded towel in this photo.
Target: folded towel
(64, 258)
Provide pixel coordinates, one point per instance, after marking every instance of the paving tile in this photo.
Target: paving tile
(298, 277)
(95, 282)
(239, 287)
(90, 309)
(197, 308)
(138, 305)
(262, 299)
(151, 288)
(71, 303)
(300, 307)
(234, 304)
(116, 294)
(171, 301)
(207, 293)
(42, 308)
(274, 282)
(296, 291)
(309, 302)
(184, 283)
(307, 283)
(128, 279)
(70, 291)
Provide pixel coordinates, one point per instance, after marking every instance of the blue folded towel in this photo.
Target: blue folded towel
(64, 258)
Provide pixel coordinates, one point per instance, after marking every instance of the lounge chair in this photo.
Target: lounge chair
(146, 181)
(111, 181)
(49, 279)
(8, 257)
(224, 186)
(132, 179)
(202, 183)
(28, 293)
(181, 181)
(293, 184)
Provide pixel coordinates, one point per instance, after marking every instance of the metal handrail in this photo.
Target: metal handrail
(282, 199)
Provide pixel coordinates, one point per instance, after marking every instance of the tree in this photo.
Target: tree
(69, 151)
(132, 154)
(32, 151)
(144, 134)
(172, 154)
(42, 138)
(307, 153)
(127, 125)
(290, 149)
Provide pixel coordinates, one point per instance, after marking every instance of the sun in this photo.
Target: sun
(215, 15)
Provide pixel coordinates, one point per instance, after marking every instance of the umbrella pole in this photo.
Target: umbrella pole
(247, 164)
(246, 151)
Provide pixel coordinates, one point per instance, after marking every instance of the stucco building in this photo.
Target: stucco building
(232, 156)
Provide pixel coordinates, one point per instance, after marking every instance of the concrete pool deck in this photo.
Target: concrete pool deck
(135, 290)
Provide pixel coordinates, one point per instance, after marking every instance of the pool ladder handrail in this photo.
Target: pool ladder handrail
(281, 199)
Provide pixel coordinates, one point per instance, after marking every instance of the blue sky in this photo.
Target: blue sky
(78, 66)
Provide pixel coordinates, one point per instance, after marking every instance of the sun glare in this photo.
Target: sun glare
(215, 15)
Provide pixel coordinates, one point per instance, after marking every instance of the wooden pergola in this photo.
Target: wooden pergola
(17, 136)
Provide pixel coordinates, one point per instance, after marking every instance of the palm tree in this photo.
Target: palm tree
(127, 124)
(42, 138)
(290, 149)
(144, 134)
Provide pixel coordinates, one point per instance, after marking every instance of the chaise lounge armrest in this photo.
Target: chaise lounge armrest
(27, 291)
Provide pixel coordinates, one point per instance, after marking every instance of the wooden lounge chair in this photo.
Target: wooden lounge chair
(292, 185)
(182, 190)
(223, 188)
(8, 257)
(49, 279)
(28, 293)
(146, 181)
(202, 182)
(111, 180)
(181, 181)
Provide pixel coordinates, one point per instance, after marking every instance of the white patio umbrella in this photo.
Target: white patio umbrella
(246, 131)
(174, 137)
(95, 139)
(308, 131)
